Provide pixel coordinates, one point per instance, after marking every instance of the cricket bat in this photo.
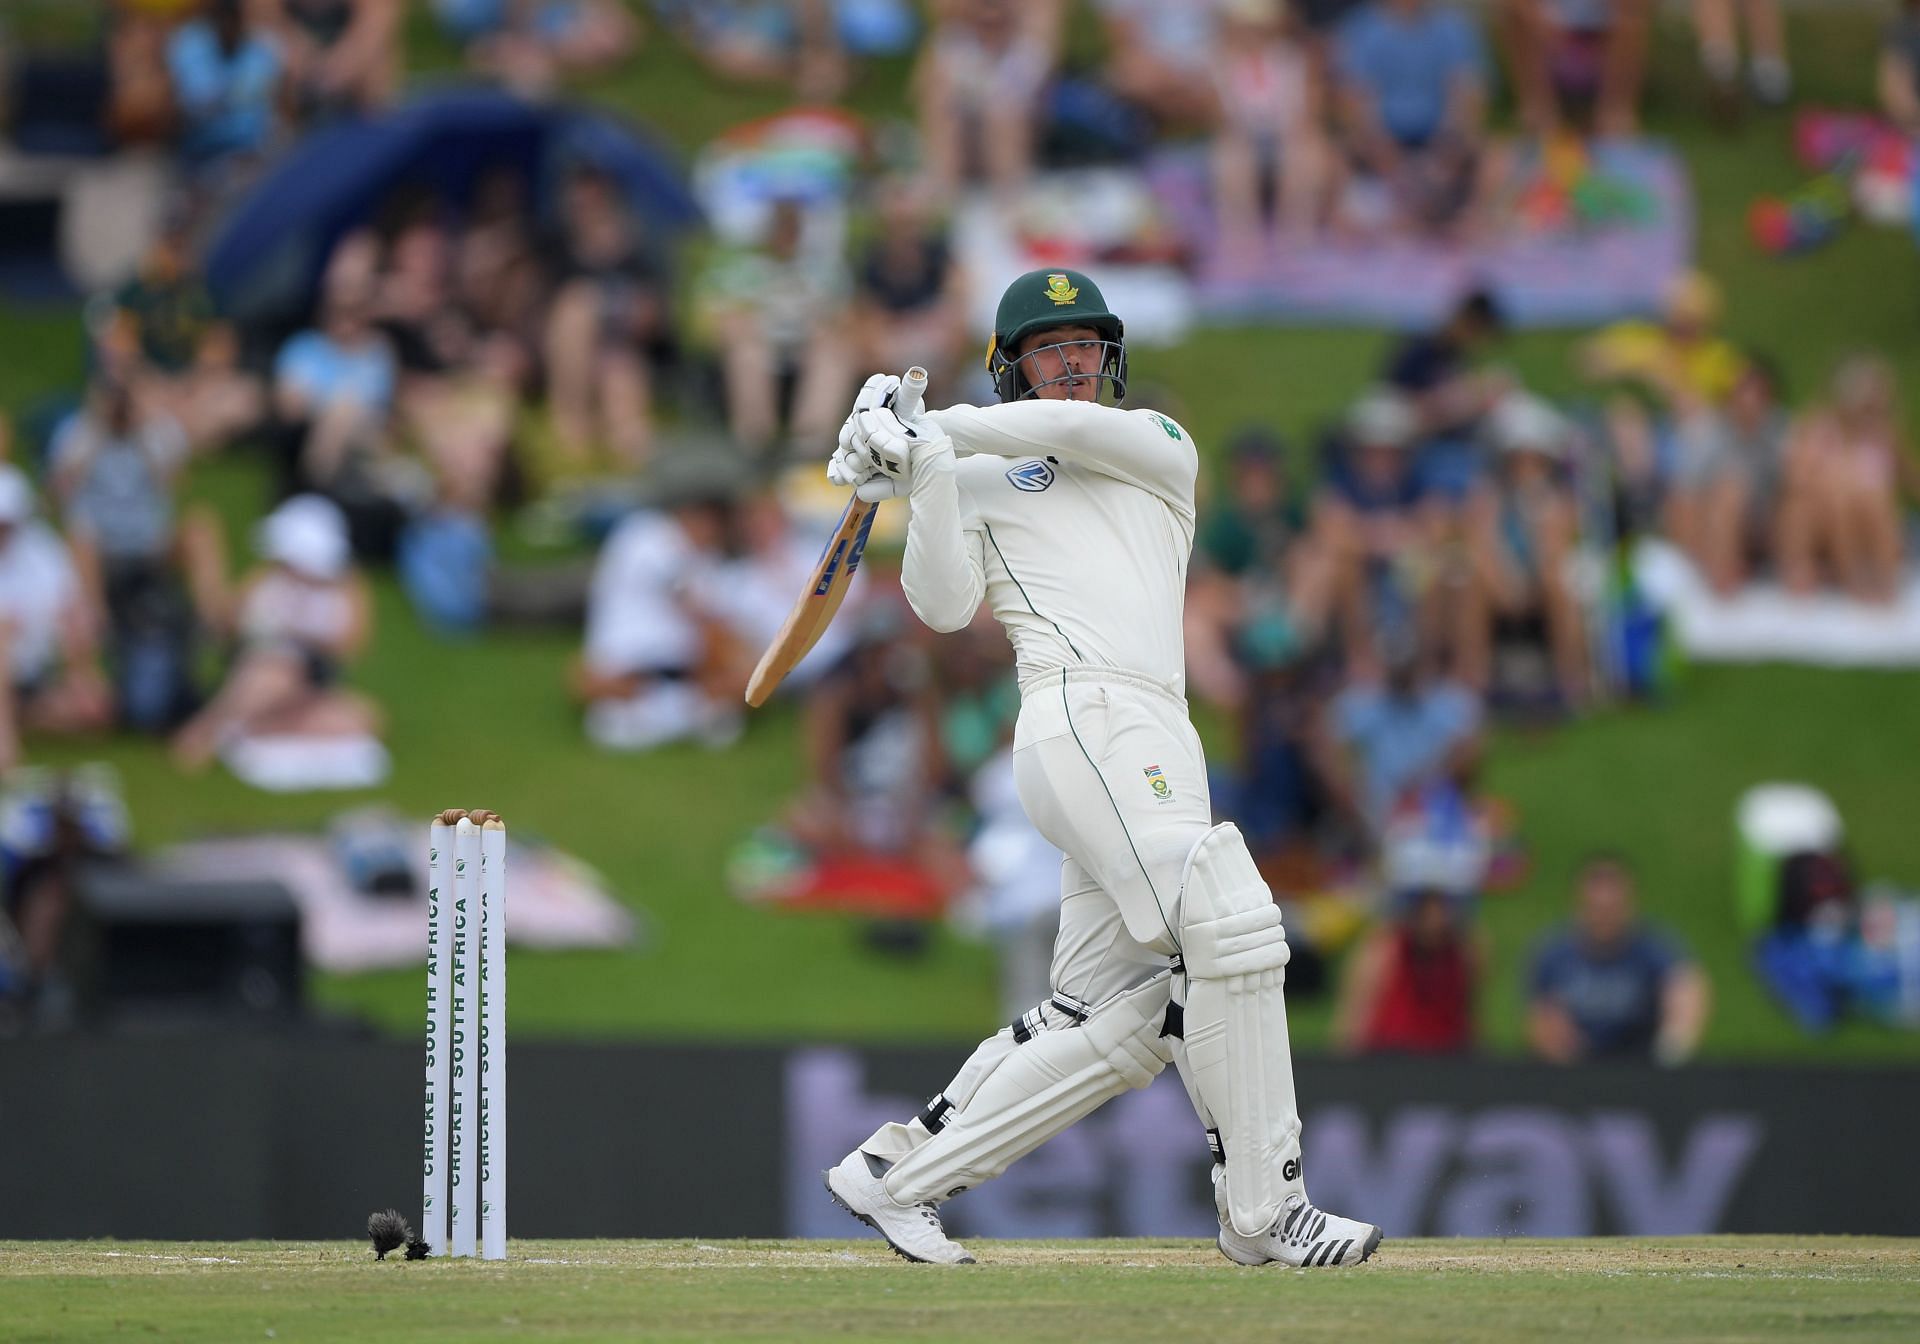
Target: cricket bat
(831, 576)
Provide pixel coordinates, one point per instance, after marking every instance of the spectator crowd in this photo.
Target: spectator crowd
(1361, 604)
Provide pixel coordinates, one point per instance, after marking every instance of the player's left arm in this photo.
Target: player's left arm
(1143, 448)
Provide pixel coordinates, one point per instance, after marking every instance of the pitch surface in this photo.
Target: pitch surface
(1691, 1289)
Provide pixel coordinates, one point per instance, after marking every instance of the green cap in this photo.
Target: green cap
(1050, 298)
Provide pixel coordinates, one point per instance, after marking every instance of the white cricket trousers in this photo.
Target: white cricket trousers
(1110, 770)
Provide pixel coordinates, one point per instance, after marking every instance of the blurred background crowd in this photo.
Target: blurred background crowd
(369, 359)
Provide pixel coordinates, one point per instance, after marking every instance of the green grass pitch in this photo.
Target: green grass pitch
(1720, 1288)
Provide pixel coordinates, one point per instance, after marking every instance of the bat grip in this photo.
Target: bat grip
(910, 400)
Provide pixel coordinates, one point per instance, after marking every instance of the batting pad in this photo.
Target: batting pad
(895, 1139)
(1237, 1051)
(1038, 1089)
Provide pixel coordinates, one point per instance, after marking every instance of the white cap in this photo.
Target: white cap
(1782, 819)
(1523, 423)
(16, 495)
(307, 534)
(1383, 418)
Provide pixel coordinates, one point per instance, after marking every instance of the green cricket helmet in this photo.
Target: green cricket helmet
(1039, 300)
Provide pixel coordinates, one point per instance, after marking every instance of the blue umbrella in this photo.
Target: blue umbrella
(268, 255)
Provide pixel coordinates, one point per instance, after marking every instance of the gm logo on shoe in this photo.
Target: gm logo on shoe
(1291, 1172)
(1032, 477)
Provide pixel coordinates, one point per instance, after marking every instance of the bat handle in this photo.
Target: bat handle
(910, 400)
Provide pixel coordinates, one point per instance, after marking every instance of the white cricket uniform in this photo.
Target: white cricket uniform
(1074, 522)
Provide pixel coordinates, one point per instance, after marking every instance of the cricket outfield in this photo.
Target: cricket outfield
(1721, 1288)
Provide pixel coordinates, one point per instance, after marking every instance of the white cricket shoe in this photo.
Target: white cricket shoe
(913, 1230)
(1304, 1237)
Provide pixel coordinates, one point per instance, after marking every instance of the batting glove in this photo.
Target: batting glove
(872, 486)
(852, 463)
(883, 452)
(876, 475)
(879, 390)
(841, 470)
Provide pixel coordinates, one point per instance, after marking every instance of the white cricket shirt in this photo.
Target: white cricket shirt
(1073, 520)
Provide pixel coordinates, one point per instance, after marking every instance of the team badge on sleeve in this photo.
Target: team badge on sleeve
(1158, 779)
(1032, 477)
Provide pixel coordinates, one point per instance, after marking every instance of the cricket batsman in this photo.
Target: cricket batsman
(1074, 520)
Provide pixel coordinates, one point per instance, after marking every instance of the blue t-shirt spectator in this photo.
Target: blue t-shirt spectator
(466, 20)
(1401, 738)
(325, 372)
(1402, 492)
(226, 96)
(1613, 994)
(1406, 62)
(116, 481)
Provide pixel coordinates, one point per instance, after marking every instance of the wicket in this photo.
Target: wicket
(464, 1136)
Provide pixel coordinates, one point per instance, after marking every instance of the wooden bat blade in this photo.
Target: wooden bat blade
(832, 576)
(821, 599)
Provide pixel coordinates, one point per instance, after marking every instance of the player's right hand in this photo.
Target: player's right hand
(850, 469)
(851, 466)
(879, 488)
(877, 447)
(876, 441)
